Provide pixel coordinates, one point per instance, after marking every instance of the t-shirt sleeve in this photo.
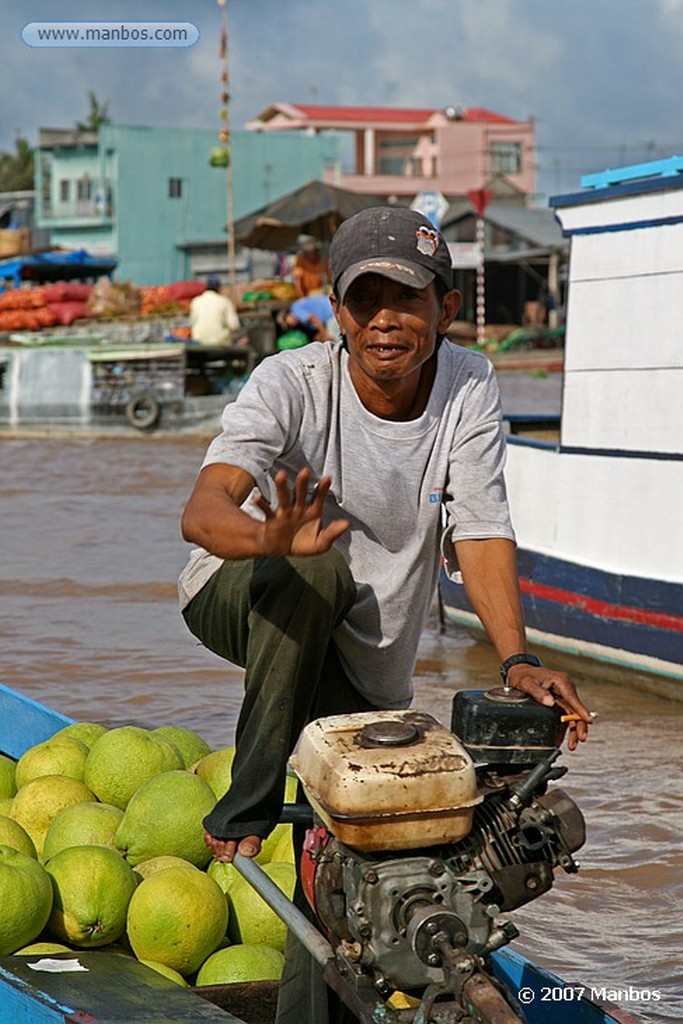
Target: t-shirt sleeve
(476, 499)
(261, 424)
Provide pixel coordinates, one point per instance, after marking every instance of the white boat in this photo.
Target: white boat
(98, 381)
(599, 512)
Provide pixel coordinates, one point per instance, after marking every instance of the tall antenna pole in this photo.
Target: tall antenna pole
(224, 138)
(480, 199)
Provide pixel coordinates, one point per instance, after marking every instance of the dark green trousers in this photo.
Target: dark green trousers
(276, 618)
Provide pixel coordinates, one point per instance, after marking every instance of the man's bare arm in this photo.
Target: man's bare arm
(214, 520)
(489, 573)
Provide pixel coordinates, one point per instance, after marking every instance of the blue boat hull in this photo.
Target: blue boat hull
(626, 623)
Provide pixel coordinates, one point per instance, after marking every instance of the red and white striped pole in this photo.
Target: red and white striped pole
(480, 199)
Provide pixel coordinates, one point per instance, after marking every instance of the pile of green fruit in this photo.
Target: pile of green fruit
(101, 843)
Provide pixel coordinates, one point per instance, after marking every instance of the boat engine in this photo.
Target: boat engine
(424, 837)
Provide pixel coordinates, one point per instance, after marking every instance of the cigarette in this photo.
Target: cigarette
(576, 718)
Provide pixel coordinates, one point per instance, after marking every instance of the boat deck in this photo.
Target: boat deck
(113, 989)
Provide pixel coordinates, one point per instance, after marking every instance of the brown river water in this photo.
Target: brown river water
(89, 625)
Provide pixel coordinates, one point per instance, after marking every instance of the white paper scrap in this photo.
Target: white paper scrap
(57, 966)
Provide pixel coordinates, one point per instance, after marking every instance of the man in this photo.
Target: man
(318, 512)
(213, 318)
(310, 273)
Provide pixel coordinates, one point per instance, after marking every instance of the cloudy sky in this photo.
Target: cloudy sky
(603, 79)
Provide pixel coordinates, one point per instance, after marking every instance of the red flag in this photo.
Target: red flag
(480, 199)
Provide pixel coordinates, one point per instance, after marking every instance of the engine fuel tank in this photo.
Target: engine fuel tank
(387, 780)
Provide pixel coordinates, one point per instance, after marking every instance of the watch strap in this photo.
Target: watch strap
(517, 659)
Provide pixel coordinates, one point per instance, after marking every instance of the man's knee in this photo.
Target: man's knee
(323, 577)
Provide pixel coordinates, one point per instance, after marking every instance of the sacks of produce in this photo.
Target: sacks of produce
(108, 300)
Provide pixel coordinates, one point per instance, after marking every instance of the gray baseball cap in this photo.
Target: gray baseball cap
(392, 241)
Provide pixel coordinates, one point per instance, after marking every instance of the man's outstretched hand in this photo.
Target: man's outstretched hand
(294, 526)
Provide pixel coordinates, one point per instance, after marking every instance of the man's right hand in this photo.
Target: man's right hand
(224, 850)
(214, 520)
(294, 526)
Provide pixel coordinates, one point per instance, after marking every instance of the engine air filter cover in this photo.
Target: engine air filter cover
(387, 780)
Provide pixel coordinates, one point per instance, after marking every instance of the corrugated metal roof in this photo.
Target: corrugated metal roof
(537, 227)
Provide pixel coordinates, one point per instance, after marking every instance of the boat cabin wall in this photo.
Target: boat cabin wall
(623, 358)
(39, 384)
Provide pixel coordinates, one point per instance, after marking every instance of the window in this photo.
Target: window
(64, 190)
(83, 188)
(505, 157)
(175, 188)
(394, 155)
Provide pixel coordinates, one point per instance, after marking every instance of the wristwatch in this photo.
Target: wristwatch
(517, 659)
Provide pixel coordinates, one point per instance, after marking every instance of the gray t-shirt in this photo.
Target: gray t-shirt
(392, 480)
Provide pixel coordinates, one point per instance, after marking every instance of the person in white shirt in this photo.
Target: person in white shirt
(319, 516)
(213, 317)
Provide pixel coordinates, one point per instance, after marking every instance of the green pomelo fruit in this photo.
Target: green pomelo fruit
(86, 732)
(150, 867)
(165, 817)
(87, 824)
(167, 972)
(12, 834)
(122, 759)
(8, 783)
(177, 918)
(252, 922)
(92, 889)
(190, 744)
(291, 783)
(43, 949)
(216, 769)
(241, 963)
(226, 875)
(272, 842)
(25, 899)
(283, 853)
(38, 803)
(65, 756)
(6, 805)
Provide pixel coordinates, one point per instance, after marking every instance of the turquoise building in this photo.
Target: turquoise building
(150, 198)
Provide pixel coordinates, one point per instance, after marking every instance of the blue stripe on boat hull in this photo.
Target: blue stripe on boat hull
(552, 1000)
(640, 617)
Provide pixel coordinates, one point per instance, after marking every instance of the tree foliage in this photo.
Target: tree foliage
(16, 169)
(98, 114)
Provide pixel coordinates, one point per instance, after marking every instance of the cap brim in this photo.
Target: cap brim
(403, 271)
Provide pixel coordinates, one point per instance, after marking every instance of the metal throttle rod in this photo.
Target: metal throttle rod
(306, 933)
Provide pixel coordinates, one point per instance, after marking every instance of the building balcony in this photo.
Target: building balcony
(400, 185)
(83, 213)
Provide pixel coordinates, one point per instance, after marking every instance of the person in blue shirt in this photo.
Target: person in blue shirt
(308, 319)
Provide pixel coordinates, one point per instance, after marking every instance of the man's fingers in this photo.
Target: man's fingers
(550, 688)
(332, 531)
(321, 491)
(282, 489)
(301, 484)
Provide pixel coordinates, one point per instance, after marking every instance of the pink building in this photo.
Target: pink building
(402, 152)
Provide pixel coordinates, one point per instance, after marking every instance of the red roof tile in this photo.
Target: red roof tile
(396, 114)
(317, 113)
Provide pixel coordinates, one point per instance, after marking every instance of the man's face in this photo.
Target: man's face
(390, 328)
